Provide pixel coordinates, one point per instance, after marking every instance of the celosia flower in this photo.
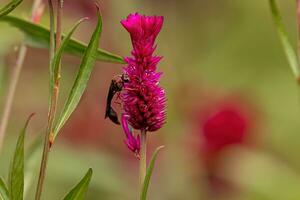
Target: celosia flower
(143, 99)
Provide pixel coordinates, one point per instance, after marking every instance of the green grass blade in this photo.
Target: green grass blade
(16, 186)
(39, 37)
(4, 195)
(79, 191)
(9, 7)
(83, 75)
(149, 174)
(287, 47)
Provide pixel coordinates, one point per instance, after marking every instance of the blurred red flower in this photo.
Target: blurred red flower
(226, 125)
(222, 124)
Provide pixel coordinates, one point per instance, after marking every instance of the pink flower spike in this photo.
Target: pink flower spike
(144, 101)
(132, 143)
(143, 31)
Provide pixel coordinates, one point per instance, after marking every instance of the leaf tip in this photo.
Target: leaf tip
(83, 19)
(160, 148)
(29, 118)
(90, 171)
(31, 115)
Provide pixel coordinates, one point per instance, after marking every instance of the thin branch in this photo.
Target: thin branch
(15, 74)
(11, 91)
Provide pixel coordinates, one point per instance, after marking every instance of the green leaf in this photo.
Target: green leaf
(57, 56)
(32, 160)
(4, 195)
(287, 47)
(55, 63)
(79, 191)
(9, 7)
(39, 37)
(83, 75)
(149, 174)
(16, 186)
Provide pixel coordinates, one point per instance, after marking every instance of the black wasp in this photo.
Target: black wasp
(116, 86)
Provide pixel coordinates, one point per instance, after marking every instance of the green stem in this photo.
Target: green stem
(143, 158)
(52, 31)
(60, 4)
(53, 101)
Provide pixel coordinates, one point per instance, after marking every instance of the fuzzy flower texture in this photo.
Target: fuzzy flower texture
(143, 99)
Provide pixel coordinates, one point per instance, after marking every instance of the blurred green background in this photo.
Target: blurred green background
(213, 50)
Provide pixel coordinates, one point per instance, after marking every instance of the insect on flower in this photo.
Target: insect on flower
(116, 86)
(143, 100)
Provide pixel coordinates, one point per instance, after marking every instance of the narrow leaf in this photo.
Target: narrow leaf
(9, 7)
(4, 195)
(83, 75)
(32, 160)
(287, 47)
(55, 63)
(17, 167)
(79, 191)
(149, 174)
(64, 44)
(39, 37)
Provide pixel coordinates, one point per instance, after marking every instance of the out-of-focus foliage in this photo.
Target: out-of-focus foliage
(38, 36)
(288, 48)
(3, 190)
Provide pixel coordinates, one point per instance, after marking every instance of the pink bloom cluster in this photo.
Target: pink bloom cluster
(143, 99)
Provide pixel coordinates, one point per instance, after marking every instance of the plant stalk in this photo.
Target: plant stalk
(55, 92)
(60, 4)
(52, 32)
(17, 68)
(143, 158)
(15, 74)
